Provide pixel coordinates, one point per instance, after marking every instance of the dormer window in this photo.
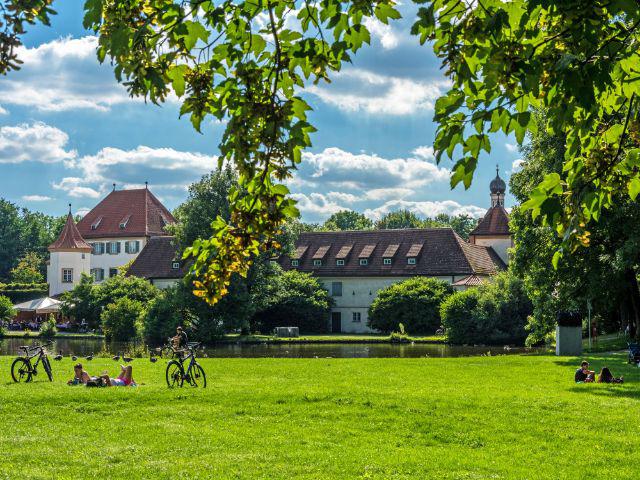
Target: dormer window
(124, 222)
(340, 263)
(386, 261)
(96, 224)
(175, 265)
(364, 261)
(295, 263)
(411, 260)
(317, 263)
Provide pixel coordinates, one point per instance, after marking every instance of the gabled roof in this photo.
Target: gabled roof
(442, 253)
(156, 260)
(495, 222)
(70, 239)
(145, 214)
(470, 281)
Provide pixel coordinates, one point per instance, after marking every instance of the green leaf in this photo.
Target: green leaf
(176, 74)
(634, 188)
(92, 14)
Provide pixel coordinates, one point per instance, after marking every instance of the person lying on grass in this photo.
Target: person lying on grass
(81, 377)
(584, 375)
(123, 380)
(607, 377)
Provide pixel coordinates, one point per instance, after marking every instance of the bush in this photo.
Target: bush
(122, 320)
(164, 314)
(23, 292)
(494, 313)
(48, 328)
(7, 311)
(294, 299)
(414, 303)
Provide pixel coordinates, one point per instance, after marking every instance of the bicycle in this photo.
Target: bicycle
(22, 370)
(194, 375)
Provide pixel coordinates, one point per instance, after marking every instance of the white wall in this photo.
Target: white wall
(163, 283)
(499, 244)
(107, 261)
(78, 261)
(357, 295)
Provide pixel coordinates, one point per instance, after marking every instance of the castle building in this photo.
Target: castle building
(107, 238)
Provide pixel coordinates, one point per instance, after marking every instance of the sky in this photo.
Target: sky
(69, 131)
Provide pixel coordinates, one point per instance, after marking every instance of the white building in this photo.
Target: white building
(110, 236)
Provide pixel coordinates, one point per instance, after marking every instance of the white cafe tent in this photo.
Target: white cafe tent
(39, 306)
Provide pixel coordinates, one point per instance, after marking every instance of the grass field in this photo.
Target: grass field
(519, 417)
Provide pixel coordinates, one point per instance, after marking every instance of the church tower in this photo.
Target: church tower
(493, 230)
(70, 257)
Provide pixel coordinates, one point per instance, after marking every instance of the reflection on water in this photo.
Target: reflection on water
(87, 346)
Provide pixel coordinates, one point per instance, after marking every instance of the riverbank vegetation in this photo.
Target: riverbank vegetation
(328, 418)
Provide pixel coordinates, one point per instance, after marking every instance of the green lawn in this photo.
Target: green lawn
(519, 417)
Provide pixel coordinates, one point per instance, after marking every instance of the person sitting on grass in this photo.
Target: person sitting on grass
(583, 374)
(81, 377)
(123, 380)
(607, 377)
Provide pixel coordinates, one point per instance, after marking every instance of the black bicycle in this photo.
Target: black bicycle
(22, 370)
(193, 375)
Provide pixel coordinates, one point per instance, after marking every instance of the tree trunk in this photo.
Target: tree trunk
(632, 301)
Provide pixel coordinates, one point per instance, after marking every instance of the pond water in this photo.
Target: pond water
(85, 346)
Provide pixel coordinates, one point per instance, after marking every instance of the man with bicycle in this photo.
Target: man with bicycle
(180, 341)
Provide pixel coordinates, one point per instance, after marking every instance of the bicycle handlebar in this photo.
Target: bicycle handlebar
(28, 348)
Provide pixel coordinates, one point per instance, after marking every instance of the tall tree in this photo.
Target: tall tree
(399, 219)
(10, 235)
(347, 220)
(29, 269)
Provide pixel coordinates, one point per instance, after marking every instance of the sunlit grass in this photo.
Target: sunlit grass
(514, 417)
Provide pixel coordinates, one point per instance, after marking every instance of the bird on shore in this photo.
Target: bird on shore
(58, 357)
(116, 357)
(89, 357)
(127, 359)
(74, 358)
(152, 359)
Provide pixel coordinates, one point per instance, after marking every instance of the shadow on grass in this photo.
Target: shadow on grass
(595, 360)
(611, 391)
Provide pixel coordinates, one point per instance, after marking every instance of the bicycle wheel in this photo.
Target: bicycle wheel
(47, 368)
(175, 374)
(197, 378)
(21, 370)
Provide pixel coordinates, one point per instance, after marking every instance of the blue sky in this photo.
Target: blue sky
(68, 131)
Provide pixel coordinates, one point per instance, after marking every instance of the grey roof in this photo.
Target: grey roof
(156, 260)
(438, 252)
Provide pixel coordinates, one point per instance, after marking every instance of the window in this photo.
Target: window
(67, 275)
(175, 265)
(125, 220)
(317, 263)
(83, 257)
(357, 317)
(386, 261)
(411, 260)
(336, 289)
(294, 263)
(132, 246)
(113, 272)
(113, 248)
(340, 263)
(364, 261)
(97, 274)
(97, 248)
(96, 224)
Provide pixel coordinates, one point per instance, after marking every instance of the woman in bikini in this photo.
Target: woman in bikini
(123, 380)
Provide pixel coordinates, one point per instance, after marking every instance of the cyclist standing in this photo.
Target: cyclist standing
(180, 340)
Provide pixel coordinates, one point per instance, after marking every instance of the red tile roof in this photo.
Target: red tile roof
(144, 214)
(495, 222)
(156, 260)
(442, 253)
(70, 238)
(470, 281)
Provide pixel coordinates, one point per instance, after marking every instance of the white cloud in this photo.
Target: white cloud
(37, 142)
(389, 39)
(426, 208)
(342, 197)
(516, 166)
(36, 198)
(424, 152)
(61, 75)
(73, 186)
(511, 147)
(388, 193)
(336, 167)
(3, 111)
(361, 90)
(317, 205)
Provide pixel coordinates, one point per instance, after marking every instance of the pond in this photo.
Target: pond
(86, 346)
